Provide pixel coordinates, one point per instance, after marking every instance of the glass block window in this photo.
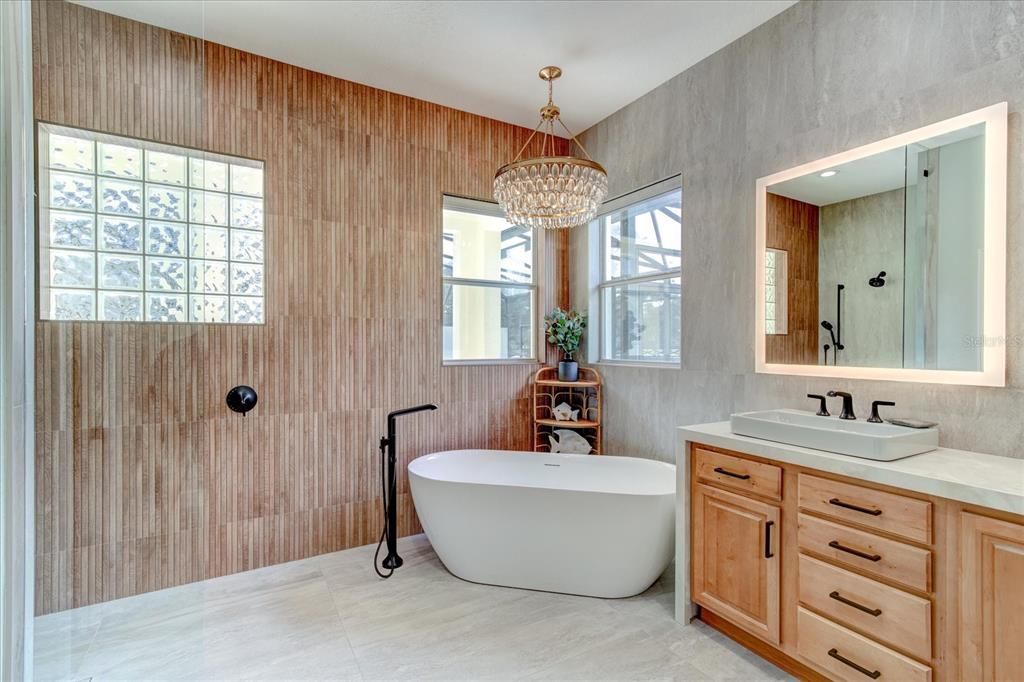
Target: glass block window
(136, 231)
(488, 285)
(775, 291)
(640, 277)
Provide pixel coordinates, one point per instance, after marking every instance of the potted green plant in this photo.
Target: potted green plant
(564, 329)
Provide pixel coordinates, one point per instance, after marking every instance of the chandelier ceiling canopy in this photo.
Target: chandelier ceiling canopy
(551, 192)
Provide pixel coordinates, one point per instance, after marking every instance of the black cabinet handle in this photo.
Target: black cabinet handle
(768, 539)
(856, 552)
(846, 505)
(726, 472)
(873, 674)
(849, 602)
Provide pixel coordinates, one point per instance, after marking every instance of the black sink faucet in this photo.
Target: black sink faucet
(822, 405)
(847, 412)
(874, 418)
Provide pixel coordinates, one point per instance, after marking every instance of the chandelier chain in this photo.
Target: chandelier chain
(576, 140)
(528, 140)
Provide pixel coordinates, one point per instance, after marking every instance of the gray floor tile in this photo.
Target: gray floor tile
(332, 618)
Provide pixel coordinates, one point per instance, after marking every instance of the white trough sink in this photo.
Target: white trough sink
(857, 438)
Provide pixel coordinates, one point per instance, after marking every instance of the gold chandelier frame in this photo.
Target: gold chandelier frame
(549, 113)
(553, 192)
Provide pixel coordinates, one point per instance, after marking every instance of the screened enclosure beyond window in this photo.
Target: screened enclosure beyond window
(488, 284)
(136, 231)
(640, 289)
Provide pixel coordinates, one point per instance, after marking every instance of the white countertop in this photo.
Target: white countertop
(972, 477)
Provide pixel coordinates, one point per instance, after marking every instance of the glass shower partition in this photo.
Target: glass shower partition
(943, 252)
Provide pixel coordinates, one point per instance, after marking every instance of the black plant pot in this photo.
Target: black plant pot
(568, 370)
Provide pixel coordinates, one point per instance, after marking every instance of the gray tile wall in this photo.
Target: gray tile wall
(856, 239)
(818, 79)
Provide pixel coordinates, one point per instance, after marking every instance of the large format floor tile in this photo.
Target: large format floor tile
(331, 617)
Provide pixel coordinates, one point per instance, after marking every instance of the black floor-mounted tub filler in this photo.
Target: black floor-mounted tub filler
(389, 494)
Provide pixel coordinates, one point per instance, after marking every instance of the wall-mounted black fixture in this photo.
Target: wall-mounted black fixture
(241, 399)
(878, 281)
(835, 332)
(839, 323)
(836, 346)
(827, 326)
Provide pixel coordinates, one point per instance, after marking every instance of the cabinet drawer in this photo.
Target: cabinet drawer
(891, 616)
(738, 473)
(897, 514)
(845, 655)
(905, 564)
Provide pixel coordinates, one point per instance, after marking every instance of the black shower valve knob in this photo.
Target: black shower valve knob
(241, 399)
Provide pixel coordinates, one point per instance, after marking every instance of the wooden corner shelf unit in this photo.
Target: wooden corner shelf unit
(583, 395)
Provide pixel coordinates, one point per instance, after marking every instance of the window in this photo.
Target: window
(640, 276)
(775, 291)
(135, 231)
(489, 284)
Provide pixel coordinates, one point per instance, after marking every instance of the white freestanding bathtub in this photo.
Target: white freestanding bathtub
(580, 524)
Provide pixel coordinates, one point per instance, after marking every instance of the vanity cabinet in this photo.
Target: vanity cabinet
(992, 599)
(736, 563)
(832, 577)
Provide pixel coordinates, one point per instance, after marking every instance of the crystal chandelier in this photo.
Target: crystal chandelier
(550, 191)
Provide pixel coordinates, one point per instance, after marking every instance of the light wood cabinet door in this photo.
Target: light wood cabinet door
(736, 543)
(991, 599)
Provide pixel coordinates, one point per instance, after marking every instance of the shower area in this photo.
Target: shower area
(202, 218)
(943, 253)
(900, 271)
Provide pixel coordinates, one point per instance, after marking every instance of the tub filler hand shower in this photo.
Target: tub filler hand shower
(389, 494)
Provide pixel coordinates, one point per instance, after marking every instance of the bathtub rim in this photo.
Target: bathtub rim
(670, 490)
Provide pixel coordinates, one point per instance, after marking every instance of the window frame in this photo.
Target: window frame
(604, 283)
(451, 201)
(781, 287)
(41, 134)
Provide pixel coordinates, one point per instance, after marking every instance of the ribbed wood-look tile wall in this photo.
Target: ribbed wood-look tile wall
(144, 479)
(792, 226)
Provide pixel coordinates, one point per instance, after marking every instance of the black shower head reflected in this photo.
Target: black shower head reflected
(831, 332)
(878, 281)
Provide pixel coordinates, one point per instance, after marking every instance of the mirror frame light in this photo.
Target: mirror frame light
(993, 371)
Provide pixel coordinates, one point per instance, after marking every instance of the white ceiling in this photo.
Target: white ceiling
(860, 178)
(873, 174)
(476, 56)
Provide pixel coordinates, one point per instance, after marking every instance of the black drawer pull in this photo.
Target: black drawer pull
(726, 472)
(849, 602)
(873, 674)
(768, 539)
(846, 505)
(856, 552)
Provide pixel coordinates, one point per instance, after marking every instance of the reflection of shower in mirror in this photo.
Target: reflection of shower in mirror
(835, 346)
(914, 226)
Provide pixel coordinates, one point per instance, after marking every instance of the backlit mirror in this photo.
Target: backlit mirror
(888, 261)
